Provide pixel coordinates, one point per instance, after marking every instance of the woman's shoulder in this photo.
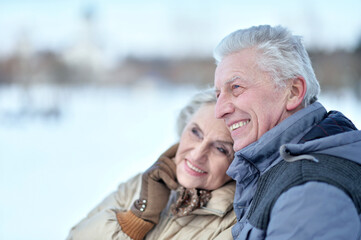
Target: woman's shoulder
(222, 199)
(133, 182)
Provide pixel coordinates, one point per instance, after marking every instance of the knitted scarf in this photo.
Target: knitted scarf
(188, 200)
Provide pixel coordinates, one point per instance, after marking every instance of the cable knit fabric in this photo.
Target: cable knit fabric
(134, 227)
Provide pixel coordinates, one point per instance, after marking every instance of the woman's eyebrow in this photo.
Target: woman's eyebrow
(225, 142)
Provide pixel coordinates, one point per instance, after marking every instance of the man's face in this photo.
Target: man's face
(248, 99)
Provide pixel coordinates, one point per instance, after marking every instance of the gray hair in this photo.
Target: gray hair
(207, 96)
(281, 54)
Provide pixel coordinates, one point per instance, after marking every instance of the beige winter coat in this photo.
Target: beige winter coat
(211, 222)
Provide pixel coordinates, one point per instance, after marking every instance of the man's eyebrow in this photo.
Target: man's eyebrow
(232, 80)
(227, 82)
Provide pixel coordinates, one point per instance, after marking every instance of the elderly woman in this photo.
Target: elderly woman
(185, 194)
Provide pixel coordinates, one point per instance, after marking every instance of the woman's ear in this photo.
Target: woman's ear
(297, 93)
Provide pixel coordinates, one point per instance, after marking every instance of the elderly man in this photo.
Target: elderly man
(297, 167)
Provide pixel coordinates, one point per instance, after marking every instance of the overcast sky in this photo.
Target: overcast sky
(173, 28)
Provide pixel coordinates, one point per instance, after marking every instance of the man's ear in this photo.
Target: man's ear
(297, 93)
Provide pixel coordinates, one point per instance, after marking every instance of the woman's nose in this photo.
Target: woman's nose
(224, 106)
(199, 153)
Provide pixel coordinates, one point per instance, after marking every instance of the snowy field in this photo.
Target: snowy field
(63, 150)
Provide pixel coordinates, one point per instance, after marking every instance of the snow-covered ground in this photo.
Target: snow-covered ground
(63, 150)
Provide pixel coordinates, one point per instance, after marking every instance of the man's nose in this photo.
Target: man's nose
(224, 106)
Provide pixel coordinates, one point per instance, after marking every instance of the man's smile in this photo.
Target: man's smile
(234, 126)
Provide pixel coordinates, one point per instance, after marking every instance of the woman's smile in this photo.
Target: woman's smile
(193, 170)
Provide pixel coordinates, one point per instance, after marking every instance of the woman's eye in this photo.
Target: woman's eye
(195, 132)
(222, 150)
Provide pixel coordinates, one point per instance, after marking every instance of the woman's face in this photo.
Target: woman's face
(205, 151)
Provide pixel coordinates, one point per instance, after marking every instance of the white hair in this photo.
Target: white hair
(280, 53)
(207, 96)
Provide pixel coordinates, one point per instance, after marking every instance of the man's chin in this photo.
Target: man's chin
(238, 145)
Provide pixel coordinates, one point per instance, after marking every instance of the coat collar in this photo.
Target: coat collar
(220, 203)
(260, 155)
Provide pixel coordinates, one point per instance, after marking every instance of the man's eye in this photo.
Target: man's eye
(237, 89)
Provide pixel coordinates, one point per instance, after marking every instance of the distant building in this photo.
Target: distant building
(86, 55)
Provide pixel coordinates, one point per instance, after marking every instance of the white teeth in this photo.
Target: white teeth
(238, 125)
(194, 168)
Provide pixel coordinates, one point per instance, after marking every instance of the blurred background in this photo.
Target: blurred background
(90, 90)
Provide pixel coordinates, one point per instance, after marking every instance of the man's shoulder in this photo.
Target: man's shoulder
(313, 166)
(314, 210)
(334, 122)
(338, 172)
